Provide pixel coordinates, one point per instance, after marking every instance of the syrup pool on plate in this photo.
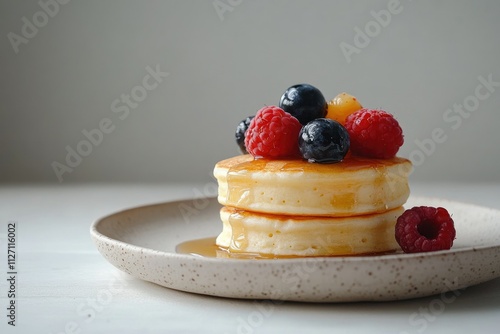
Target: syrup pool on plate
(206, 247)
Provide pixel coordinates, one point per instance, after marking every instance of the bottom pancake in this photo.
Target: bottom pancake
(246, 232)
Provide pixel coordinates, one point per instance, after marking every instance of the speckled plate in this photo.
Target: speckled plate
(142, 242)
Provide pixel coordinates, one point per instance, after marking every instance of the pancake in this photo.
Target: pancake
(246, 232)
(355, 186)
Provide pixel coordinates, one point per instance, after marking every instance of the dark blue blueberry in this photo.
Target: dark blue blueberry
(323, 140)
(304, 102)
(241, 129)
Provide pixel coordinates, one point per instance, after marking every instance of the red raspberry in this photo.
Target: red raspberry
(374, 133)
(273, 133)
(425, 229)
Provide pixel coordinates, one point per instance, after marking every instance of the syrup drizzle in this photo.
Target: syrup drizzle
(243, 192)
(206, 247)
(246, 189)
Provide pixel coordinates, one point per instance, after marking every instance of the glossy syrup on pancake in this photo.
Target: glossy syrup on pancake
(352, 187)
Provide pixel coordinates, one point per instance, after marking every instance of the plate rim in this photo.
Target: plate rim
(98, 235)
(177, 271)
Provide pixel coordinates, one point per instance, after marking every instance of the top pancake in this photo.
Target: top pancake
(355, 186)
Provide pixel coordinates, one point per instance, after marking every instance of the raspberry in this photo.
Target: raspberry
(374, 133)
(273, 133)
(425, 229)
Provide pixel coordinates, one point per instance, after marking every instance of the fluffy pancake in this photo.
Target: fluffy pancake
(246, 232)
(355, 186)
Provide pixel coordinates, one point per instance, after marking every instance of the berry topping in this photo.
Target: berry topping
(305, 102)
(273, 133)
(323, 140)
(240, 133)
(342, 106)
(374, 134)
(425, 229)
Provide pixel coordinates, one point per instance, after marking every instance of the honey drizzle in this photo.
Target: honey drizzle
(243, 191)
(206, 247)
(239, 239)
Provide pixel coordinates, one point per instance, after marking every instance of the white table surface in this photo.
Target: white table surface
(66, 286)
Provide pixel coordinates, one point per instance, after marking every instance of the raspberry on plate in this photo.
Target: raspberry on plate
(374, 133)
(425, 229)
(273, 133)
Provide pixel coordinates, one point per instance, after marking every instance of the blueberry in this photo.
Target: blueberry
(304, 102)
(240, 133)
(323, 140)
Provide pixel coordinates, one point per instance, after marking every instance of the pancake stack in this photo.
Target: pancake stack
(290, 208)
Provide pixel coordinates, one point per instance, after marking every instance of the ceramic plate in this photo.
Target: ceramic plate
(142, 242)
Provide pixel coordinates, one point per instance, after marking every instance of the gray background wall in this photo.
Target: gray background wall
(65, 70)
